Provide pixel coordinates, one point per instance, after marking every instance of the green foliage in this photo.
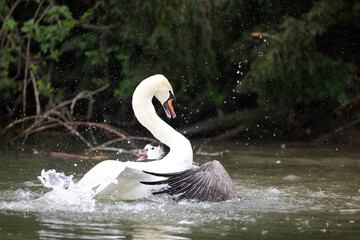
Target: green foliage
(45, 87)
(125, 89)
(10, 25)
(287, 64)
(52, 32)
(205, 48)
(185, 40)
(157, 38)
(51, 27)
(216, 97)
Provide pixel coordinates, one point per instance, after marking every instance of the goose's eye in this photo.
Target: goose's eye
(152, 148)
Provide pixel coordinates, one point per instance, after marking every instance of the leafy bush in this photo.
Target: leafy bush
(287, 66)
(204, 47)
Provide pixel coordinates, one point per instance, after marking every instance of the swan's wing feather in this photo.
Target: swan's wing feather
(210, 182)
(100, 175)
(112, 178)
(125, 183)
(162, 174)
(172, 177)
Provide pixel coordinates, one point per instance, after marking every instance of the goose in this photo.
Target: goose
(153, 151)
(209, 182)
(121, 180)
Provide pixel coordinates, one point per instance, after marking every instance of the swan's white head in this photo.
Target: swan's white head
(158, 86)
(164, 93)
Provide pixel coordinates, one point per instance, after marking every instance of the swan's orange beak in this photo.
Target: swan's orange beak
(168, 107)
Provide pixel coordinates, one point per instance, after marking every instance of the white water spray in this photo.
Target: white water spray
(65, 192)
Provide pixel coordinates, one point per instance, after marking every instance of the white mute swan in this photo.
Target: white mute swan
(209, 182)
(121, 180)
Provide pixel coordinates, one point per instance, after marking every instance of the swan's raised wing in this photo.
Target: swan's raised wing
(101, 174)
(113, 179)
(210, 182)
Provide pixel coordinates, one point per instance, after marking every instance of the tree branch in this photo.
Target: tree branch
(36, 94)
(67, 126)
(324, 137)
(9, 14)
(27, 58)
(103, 126)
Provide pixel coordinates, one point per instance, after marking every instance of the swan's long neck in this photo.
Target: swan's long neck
(145, 113)
(180, 155)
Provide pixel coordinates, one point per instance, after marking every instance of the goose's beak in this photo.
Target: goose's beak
(143, 155)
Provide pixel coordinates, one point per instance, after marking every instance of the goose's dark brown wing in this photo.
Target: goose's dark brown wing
(210, 182)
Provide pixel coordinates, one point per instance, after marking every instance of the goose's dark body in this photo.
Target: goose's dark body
(210, 182)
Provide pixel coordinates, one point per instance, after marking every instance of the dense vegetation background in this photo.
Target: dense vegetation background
(269, 68)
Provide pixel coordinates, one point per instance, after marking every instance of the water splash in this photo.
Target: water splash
(64, 195)
(64, 192)
(59, 194)
(52, 179)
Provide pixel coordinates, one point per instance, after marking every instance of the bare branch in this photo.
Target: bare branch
(67, 126)
(73, 156)
(260, 35)
(233, 132)
(103, 126)
(47, 126)
(118, 150)
(27, 58)
(324, 137)
(146, 139)
(81, 95)
(96, 27)
(24, 119)
(110, 142)
(213, 154)
(36, 94)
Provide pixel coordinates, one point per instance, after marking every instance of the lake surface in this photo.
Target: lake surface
(290, 191)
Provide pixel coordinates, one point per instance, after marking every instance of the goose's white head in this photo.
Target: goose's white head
(154, 151)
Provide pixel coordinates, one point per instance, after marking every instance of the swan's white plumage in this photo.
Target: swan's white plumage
(121, 180)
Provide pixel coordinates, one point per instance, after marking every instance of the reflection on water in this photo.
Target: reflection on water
(288, 192)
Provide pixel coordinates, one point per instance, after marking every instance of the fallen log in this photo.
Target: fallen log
(237, 121)
(209, 154)
(326, 136)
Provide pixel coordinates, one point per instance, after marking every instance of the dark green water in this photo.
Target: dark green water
(294, 191)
